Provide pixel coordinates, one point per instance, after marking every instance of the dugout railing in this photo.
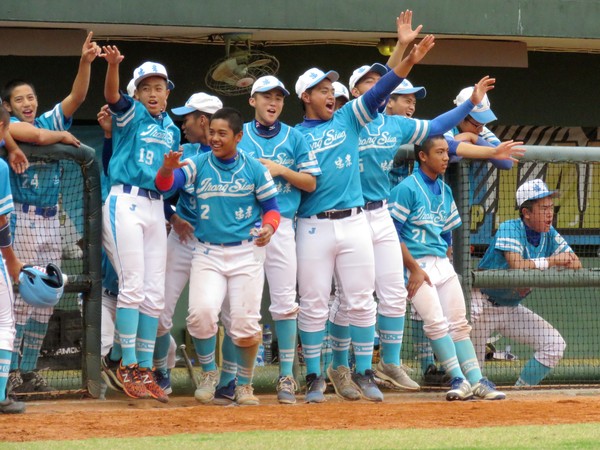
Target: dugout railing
(70, 354)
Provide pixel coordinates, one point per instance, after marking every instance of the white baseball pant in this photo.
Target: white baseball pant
(344, 246)
(7, 320)
(514, 322)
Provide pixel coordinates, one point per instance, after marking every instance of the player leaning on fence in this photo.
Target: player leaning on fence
(530, 242)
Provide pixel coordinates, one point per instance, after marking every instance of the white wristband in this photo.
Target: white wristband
(541, 263)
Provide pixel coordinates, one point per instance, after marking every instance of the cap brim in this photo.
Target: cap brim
(332, 76)
(182, 110)
(420, 92)
(378, 68)
(170, 84)
(267, 89)
(540, 196)
(484, 116)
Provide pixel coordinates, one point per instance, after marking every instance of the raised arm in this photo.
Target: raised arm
(405, 36)
(113, 57)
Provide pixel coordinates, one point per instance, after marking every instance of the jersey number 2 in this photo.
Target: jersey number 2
(419, 236)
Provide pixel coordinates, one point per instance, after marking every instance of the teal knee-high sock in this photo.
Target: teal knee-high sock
(446, 353)
(14, 361)
(126, 321)
(33, 338)
(246, 358)
(312, 343)
(229, 366)
(205, 349)
(391, 332)
(327, 353)
(421, 345)
(5, 357)
(286, 331)
(533, 372)
(362, 341)
(116, 353)
(340, 344)
(465, 352)
(146, 338)
(161, 351)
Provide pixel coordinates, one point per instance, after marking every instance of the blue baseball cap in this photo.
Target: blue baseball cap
(268, 83)
(363, 70)
(312, 77)
(533, 190)
(406, 88)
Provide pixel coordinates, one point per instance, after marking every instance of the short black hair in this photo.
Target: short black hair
(232, 116)
(9, 87)
(426, 145)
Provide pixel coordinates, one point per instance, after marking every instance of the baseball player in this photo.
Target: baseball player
(333, 234)
(529, 242)
(341, 94)
(134, 233)
(425, 215)
(10, 266)
(35, 223)
(232, 190)
(294, 169)
(181, 241)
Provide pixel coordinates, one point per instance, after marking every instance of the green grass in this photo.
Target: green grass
(522, 437)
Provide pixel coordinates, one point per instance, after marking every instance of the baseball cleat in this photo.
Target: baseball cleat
(33, 382)
(435, 376)
(163, 379)
(149, 380)
(486, 390)
(286, 390)
(341, 379)
(207, 383)
(130, 379)
(461, 390)
(109, 373)
(244, 395)
(395, 375)
(14, 381)
(225, 395)
(367, 386)
(315, 387)
(10, 406)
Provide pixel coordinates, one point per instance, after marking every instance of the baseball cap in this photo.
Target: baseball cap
(406, 87)
(482, 112)
(199, 102)
(151, 69)
(312, 77)
(339, 90)
(533, 190)
(131, 87)
(267, 83)
(363, 70)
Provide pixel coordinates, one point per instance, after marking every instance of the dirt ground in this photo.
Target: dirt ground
(87, 418)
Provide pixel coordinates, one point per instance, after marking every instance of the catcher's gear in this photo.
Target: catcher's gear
(41, 287)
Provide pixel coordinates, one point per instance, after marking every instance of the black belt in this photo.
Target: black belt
(339, 213)
(110, 293)
(44, 211)
(370, 206)
(153, 195)
(494, 303)
(227, 244)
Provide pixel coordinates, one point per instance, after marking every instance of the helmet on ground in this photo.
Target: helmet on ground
(41, 287)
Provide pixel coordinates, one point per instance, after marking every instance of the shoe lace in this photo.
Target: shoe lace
(345, 374)
(456, 382)
(245, 389)
(287, 384)
(38, 381)
(487, 383)
(208, 378)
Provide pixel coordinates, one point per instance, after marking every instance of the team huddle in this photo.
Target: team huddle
(326, 204)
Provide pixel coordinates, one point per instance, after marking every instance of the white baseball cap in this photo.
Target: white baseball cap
(199, 102)
(268, 83)
(312, 77)
(363, 70)
(533, 190)
(406, 88)
(482, 112)
(151, 69)
(131, 87)
(339, 90)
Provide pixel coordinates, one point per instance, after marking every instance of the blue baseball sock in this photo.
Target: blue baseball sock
(339, 336)
(327, 353)
(446, 353)
(161, 351)
(146, 338)
(14, 361)
(205, 349)
(5, 357)
(312, 343)
(246, 359)
(286, 331)
(468, 360)
(391, 332)
(533, 372)
(33, 338)
(229, 366)
(421, 345)
(116, 353)
(362, 341)
(126, 321)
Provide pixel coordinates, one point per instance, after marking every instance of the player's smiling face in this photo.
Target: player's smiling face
(402, 105)
(23, 103)
(435, 161)
(320, 101)
(223, 140)
(539, 217)
(267, 105)
(153, 94)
